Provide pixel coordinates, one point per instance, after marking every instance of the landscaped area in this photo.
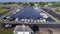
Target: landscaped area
(2, 10)
(12, 4)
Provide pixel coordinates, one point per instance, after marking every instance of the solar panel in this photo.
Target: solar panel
(27, 13)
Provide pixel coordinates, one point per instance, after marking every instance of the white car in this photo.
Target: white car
(16, 19)
(44, 15)
(22, 19)
(8, 25)
(32, 20)
(38, 20)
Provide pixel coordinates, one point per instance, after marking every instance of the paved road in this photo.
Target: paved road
(9, 8)
(47, 25)
(51, 16)
(52, 13)
(9, 11)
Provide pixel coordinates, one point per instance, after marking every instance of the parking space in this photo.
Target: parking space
(51, 12)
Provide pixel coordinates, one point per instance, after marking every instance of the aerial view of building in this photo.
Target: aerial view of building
(22, 30)
(29, 16)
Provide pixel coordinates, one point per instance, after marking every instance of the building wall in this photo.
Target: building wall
(21, 32)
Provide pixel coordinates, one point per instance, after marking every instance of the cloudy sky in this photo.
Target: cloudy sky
(29, 0)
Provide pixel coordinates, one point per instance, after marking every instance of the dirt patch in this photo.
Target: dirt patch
(49, 31)
(6, 31)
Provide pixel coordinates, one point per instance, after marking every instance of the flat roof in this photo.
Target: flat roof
(21, 28)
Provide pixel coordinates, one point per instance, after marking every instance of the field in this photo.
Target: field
(6, 31)
(2, 10)
(12, 4)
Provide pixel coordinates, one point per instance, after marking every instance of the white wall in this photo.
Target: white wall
(23, 33)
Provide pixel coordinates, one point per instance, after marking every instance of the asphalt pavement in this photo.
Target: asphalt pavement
(57, 16)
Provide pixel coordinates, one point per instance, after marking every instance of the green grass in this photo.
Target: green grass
(12, 4)
(2, 10)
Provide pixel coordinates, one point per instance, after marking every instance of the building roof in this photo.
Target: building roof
(21, 28)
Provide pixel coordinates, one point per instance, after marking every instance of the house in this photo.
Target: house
(22, 30)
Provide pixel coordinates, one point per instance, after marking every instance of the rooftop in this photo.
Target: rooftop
(22, 28)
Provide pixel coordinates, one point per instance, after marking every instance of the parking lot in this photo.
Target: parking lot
(30, 14)
(51, 12)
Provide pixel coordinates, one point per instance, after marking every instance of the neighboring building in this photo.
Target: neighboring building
(22, 30)
(48, 5)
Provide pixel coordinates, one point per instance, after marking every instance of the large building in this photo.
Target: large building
(22, 30)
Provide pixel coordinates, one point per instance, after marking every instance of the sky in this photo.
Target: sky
(29, 0)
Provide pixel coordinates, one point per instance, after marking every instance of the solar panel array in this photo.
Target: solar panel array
(29, 14)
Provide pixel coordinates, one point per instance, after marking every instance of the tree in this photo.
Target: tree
(31, 4)
(56, 4)
(35, 28)
(42, 3)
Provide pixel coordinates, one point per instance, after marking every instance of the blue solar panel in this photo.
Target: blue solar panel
(27, 13)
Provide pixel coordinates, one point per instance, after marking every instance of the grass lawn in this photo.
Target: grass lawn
(2, 10)
(6, 31)
(12, 4)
